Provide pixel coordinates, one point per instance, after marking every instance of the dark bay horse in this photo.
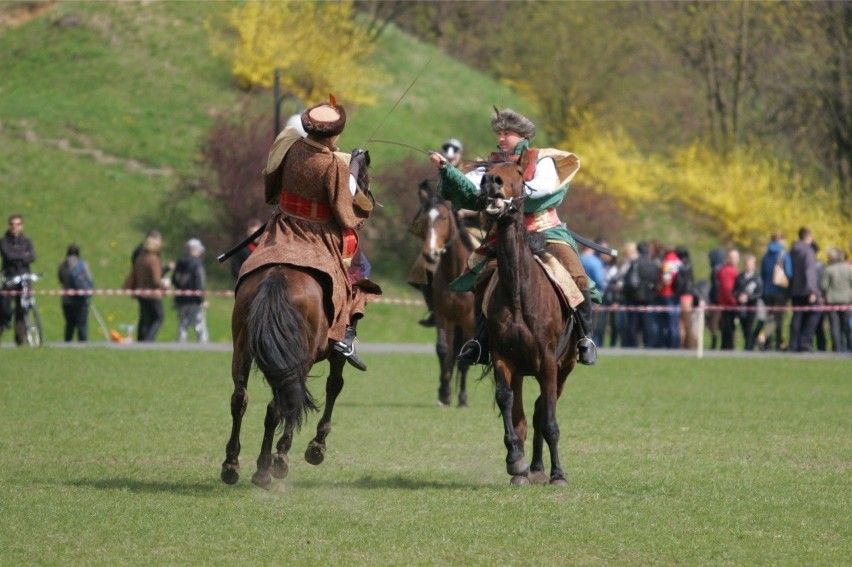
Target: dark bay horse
(279, 321)
(447, 246)
(526, 322)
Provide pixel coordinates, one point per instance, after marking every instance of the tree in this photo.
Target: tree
(318, 46)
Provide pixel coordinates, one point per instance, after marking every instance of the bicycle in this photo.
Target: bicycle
(26, 313)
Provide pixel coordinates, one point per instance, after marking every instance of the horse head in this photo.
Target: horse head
(440, 231)
(503, 188)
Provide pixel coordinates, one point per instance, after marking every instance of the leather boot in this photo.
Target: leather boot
(475, 351)
(429, 320)
(346, 347)
(586, 349)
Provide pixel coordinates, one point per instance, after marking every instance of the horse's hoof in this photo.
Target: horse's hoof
(280, 466)
(560, 482)
(441, 404)
(315, 453)
(519, 480)
(230, 474)
(263, 480)
(519, 467)
(538, 477)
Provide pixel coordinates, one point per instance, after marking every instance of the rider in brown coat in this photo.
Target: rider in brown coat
(320, 206)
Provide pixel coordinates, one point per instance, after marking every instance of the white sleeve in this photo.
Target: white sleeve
(475, 176)
(546, 180)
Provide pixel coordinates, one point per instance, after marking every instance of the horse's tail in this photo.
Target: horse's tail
(277, 343)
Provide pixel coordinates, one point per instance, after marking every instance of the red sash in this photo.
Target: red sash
(304, 208)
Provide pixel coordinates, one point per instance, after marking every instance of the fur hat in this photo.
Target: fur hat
(324, 120)
(508, 119)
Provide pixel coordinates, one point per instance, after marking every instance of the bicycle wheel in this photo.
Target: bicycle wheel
(32, 324)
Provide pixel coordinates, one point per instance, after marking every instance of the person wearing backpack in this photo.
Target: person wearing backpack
(76, 280)
(640, 291)
(190, 276)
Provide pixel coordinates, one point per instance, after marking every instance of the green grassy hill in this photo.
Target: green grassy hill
(103, 106)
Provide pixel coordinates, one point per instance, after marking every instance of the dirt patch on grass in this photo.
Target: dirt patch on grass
(16, 14)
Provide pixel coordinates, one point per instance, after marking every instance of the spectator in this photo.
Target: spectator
(804, 293)
(240, 256)
(147, 277)
(596, 271)
(748, 289)
(819, 328)
(640, 292)
(74, 275)
(714, 317)
(836, 285)
(775, 296)
(611, 298)
(726, 278)
(669, 319)
(190, 276)
(684, 291)
(17, 253)
(617, 284)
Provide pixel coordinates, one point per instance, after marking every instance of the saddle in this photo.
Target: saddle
(563, 284)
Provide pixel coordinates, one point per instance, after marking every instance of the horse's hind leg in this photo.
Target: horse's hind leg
(263, 477)
(240, 367)
(537, 474)
(315, 453)
(550, 392)
(281, 459)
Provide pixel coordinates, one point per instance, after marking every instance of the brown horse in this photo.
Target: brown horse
(279, 322)
(530, 332)
(447, 246)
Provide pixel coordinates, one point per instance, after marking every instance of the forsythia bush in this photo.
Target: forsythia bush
(744, 195)
(318, 47)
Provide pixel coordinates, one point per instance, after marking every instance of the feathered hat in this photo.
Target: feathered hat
(325, 119)
(508, 119)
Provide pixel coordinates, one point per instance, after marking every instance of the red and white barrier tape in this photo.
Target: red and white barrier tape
(402, 301)
(170, 292)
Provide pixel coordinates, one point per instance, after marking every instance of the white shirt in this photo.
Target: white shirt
(544, 182)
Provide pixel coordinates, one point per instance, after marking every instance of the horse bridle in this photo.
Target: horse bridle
(516, 204)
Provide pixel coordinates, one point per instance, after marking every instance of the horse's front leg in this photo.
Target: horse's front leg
(508, 398)
(315, 453)
(263, 477)
(446, 362)
(240, 367)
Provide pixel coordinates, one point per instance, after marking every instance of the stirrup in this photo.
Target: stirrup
(466, 353)
(348, 351)
(587, 351)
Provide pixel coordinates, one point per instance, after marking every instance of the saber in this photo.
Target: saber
(401, 144)
(376, 129)
(248, 240)
(594, 245)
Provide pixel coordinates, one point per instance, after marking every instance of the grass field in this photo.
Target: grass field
(112, 457)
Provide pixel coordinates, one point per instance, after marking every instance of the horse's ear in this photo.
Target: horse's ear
(524, 159)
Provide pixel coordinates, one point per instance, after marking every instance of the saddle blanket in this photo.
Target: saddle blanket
(567, 290)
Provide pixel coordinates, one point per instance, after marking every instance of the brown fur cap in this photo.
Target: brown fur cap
(508, 119)
(324, 120)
